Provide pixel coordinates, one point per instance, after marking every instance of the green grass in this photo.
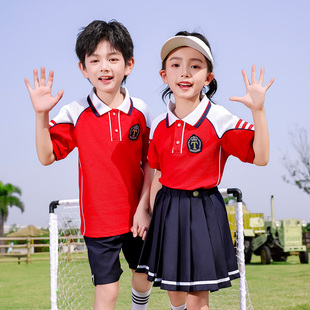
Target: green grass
(282, 285)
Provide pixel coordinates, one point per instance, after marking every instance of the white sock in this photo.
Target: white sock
(182, 307)
(140, 300)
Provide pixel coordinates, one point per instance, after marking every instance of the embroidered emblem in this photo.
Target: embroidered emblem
(134, 132)
(194, 144)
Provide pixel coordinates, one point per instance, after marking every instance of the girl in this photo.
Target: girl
(188, 250)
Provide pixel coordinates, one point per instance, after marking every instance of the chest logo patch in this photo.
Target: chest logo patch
(134, 132)
(194, 144)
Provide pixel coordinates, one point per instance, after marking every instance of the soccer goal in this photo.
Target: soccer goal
(71, 286)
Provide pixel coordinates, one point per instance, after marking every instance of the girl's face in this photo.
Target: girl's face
(186, 73)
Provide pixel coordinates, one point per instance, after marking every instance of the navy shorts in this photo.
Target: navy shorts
(103, 256)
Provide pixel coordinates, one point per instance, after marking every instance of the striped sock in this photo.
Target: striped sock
(140, 300)
(182, 307)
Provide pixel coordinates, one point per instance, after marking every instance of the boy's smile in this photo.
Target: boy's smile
(105, 69)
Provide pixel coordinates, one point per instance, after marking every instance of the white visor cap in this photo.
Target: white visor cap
(190, 41)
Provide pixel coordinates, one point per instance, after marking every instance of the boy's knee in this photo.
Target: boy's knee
(140, 282)
(106, 294)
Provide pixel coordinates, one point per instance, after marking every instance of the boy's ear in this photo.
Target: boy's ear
(129, 66)
(209, 78)
(163, 75)
(83, 70)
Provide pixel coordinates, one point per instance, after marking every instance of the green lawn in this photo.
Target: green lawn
(283, 285)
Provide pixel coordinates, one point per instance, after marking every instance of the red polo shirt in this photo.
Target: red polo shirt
(191, 153)
(112, 144)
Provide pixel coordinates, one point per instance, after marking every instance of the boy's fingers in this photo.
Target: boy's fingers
(134, 231)
(35, 78)
(42, 81)
(269, 84)
(50, 79)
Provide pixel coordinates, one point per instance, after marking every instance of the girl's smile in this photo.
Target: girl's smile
(186, 73)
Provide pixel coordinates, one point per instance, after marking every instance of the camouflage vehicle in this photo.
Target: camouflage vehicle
(279, 239)
(253, 224)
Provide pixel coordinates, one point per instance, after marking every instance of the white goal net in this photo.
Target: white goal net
(71, 286)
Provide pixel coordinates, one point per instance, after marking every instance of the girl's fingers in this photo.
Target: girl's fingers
(235, 98)
(261, 76)
(253, 75)
(245, 78)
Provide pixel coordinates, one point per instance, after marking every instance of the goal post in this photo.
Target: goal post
(54, 245)
(240, 242)
(68, 259)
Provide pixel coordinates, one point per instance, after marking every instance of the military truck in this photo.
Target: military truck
(253, 224)
(279, 239)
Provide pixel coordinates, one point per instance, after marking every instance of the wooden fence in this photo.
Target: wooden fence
(27, 248)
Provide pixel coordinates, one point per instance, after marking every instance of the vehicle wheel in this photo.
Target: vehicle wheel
(265, 255)
(304, 257)
(247, 251)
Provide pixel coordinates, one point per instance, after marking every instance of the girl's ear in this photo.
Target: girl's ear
(209, 78)
(129, 66)
(163, 75)
(83, 70)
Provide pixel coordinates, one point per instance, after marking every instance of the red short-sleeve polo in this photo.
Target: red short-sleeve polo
(191, 153)
(111, 143)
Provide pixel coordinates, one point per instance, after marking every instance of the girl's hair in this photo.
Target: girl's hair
(212, 87)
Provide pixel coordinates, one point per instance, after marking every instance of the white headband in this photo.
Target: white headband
(191, 41)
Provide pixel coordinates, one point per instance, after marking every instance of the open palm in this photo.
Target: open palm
(255, 91)
(41, 96)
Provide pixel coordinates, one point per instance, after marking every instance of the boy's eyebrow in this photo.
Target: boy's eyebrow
(109, 54)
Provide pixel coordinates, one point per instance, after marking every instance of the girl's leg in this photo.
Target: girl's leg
(177, 299)
(198, 300)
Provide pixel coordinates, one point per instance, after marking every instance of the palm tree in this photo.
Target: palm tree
(8, 198)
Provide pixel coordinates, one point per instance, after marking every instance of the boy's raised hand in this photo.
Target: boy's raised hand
(41, 95)
(255, 91)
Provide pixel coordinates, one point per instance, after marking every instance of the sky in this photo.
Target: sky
(273, 34)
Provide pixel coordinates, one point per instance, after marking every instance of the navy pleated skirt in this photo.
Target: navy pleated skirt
(188, 246)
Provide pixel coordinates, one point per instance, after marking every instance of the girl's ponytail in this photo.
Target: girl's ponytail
(212, 89)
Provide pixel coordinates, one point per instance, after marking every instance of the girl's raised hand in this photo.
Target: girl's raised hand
(255, 91)
(41, 95)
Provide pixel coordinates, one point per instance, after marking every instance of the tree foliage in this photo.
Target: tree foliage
(299, 169)
(9, 197)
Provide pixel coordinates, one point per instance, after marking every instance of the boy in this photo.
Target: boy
(111, 131)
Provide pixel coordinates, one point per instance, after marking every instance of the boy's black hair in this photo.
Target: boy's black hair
(96, 32)
(213, 84)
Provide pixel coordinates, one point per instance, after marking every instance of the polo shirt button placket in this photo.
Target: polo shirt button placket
(178, 137)
(115, 125)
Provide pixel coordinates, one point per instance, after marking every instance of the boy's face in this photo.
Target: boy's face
(105, 69)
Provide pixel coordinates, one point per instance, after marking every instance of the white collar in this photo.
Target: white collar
(100, 108)
(194, 117)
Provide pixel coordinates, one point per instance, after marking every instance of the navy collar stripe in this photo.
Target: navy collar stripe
(204, 115)
(92, 106)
